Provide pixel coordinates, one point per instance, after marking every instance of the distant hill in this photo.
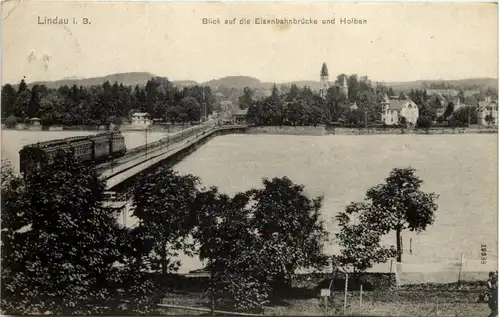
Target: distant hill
(184, 83)
(240, 82)
(470, 83)
(127, 79)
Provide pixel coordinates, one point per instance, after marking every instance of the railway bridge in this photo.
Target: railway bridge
(121, 174)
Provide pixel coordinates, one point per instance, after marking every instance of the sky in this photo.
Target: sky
(400, 42)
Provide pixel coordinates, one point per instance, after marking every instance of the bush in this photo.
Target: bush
(424, 123)
(11, 121)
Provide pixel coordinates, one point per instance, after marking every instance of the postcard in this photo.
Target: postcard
(249, 158)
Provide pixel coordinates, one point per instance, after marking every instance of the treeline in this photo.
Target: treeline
(452, 115)
(105, 103)
(361, 106)
(302, 106)
(63, 253)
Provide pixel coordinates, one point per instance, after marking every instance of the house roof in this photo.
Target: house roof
(35, 119)
(399, 104)
(468, 93)
(484, 104)
(241, 112)
(444, 92)
(141, 114)
(471, 101)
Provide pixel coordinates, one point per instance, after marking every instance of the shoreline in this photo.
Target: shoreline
(286, 130)
(325, 130)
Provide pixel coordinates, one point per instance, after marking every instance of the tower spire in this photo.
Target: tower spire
(344, 87)
(324, 70)
(323, 80)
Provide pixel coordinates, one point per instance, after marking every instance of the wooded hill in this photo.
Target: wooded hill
(240, 82)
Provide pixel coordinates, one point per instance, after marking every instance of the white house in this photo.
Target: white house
(485, 108)
(141, 119)
(393, 110)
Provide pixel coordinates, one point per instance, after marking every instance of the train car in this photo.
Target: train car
(86, 149)
(35, 155)
(82, 149)
(118, 147)
(101, 147)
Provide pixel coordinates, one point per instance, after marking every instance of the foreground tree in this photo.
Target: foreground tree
(360, 241)
(255, 241)
(398, 204)
(58, 245)
(163, 203)
(284, 215)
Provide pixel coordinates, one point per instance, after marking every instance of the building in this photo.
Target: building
(394, 109)
(141, 119)
(324, 83)
(443, 92)
(226, 109)
(485, 108)
(35, 124)
(240, 116)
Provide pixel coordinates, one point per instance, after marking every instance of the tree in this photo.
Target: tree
(255, 241)
(465, 115)
(449, 110)
(284, 215)
(22, 86)
(34, 103)
(402, 120)
(246, 100)
(190, 109)
(163, 202)
(10, 122)
(22, 103)
(398, 204)
(8, 100)
(424, 122)
(489, 119)
(58, 245)
(253, 114)
(236, 258)
(360, 242)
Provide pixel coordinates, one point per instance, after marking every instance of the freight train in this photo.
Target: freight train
(86, 149)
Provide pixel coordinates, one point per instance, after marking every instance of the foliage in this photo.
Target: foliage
(299, 107)
(58, 245)
(398, 204)
(360, 242)
(114, 120)
(255, 241)
(489, 119)
(96, 104)
(162, 201)
(10, 122)
(424, 122)
(449, 110)
(282, 211)
(246, 100)
(465, 115)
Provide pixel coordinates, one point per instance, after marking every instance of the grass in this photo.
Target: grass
(418, 302)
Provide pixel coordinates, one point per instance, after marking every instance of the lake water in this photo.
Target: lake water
(14, 140)
(462, 169)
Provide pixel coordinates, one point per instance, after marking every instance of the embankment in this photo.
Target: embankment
(288, 130)
(324, 130)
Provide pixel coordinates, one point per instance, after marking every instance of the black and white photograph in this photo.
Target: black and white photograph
(249, 158)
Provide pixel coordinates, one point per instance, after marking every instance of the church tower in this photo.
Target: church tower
(323, 81)
(344, 88)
